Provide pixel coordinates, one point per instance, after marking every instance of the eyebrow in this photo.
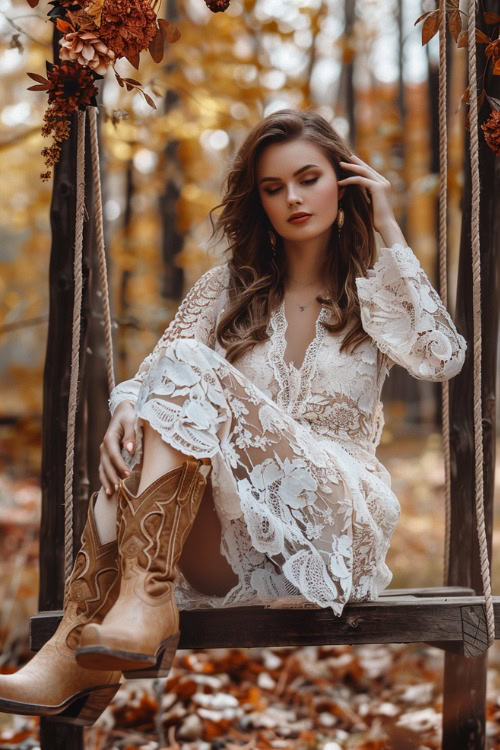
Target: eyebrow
(302, 169)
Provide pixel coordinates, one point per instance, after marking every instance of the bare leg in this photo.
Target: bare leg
(201, 562)
(105, 516)
(158, 457)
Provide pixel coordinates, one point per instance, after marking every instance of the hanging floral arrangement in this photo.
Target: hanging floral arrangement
(430, 27)
(97, 33)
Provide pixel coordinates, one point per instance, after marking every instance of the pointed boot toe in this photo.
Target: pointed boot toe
(140, 633)
(52, 683)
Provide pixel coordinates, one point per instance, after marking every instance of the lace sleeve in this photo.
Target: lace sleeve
(195, 318)
(406, 318)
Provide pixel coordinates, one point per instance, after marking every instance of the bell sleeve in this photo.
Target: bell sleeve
(405, 316)
(195, 318)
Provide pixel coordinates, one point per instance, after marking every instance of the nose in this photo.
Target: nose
(292, 196)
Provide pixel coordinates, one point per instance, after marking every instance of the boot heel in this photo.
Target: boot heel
(87, 708)
(163, 663)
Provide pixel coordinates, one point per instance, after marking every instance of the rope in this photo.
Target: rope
(101, 252)
(476, 308)
(75, 348)
(443, 272)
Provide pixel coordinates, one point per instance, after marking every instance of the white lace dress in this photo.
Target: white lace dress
(306, 508)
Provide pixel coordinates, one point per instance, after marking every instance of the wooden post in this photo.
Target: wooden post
(55, 394)
(464, 708)
(172, 239)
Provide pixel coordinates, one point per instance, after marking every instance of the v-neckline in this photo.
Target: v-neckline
(294, 385)
(284, 327)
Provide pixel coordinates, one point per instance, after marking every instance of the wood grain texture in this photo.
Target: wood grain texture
(437, 619)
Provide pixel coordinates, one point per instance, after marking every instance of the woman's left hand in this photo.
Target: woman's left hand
(375, 187)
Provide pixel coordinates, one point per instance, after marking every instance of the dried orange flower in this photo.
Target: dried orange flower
(217, 6)
(491, 129)
(70, 86)
(86, 49)
(127, 26)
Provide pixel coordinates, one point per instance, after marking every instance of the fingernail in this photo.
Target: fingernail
(130, 446)
(127, 473)
(108, 492)
(116, 486)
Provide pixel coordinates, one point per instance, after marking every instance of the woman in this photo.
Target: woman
(267, 382)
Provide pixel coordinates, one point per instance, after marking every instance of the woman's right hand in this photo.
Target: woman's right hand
(120, 434)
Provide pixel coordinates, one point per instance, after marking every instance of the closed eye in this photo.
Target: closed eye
(303, 182)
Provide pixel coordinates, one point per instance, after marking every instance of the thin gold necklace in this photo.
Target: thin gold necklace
(303, 307)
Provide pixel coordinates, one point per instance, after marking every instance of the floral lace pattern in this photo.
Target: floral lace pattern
(306, 509)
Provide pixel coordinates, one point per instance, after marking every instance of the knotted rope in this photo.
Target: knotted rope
(75, 347)
(476, 303)
(77, 305)
(476, 310)
(101, 252)
(443, 271)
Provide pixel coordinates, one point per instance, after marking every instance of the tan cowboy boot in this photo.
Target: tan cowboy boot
(140, 633)
(52, 683)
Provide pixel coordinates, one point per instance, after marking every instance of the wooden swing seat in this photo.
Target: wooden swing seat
(447, 617)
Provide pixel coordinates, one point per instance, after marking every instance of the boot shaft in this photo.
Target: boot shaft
(93, 585)
(152, 527)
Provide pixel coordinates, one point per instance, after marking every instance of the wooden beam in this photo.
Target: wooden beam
(387, 620)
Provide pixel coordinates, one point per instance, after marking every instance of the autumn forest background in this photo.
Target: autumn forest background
(361, 63)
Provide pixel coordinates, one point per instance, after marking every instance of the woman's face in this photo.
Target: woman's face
(295, 176)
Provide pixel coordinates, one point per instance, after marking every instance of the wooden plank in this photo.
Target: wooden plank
(435, 591)
(438, 619)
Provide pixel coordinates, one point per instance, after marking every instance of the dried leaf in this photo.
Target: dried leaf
(94, 10)
(133, 60)
(149, 100)
(169, 31)
(481, 37)
(157, 47)
(490, 49)
(491, 18)
(64, 26)
(39, 78)
(423, 16)
(430, 27)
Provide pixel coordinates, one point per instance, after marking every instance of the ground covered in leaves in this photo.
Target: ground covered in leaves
(371, 697)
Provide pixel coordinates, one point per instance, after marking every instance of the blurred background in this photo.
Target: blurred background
(361, 64)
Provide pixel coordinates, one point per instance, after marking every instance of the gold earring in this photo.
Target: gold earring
(340, 219)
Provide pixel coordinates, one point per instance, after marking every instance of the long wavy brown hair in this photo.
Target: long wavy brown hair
(256, 283)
